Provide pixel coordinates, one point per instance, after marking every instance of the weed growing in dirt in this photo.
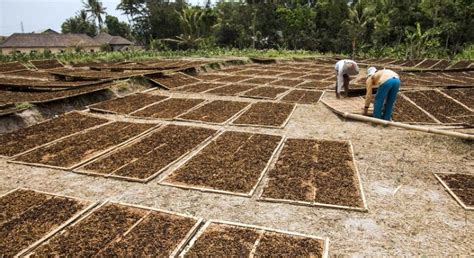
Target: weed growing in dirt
(23, 105)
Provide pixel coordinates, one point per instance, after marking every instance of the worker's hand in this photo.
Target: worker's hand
(366, 111)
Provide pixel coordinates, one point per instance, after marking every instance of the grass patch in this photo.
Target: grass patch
(137, 55)
(23, 105)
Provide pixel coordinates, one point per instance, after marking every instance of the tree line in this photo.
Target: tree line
(398, 28)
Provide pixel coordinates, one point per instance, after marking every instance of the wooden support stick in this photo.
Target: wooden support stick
(263, 230)
(269, 162)
(448, 189)
(401, 125)
(357, 174)
(45, 238)
(406, 126)
(420, 108)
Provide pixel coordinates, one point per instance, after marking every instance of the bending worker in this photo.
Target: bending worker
(388, 83)
(344, 68)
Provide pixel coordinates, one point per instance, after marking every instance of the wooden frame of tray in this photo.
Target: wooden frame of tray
(257, 228)
(325, 205)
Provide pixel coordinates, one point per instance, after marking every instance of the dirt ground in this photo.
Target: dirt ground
(410, 213)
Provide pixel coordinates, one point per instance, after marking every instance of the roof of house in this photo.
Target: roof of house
(28, 40)
(106, 38)
(45, 31)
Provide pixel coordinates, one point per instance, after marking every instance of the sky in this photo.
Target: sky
(38, 15)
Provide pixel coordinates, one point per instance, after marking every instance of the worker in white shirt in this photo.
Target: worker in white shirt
(344, 68)
(388, 83)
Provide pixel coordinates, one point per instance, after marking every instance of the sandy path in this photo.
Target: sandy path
(409, 211)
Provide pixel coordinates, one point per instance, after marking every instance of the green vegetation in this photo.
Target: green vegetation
(403, 29)
(122, 85)
(136, 55)
(79, 24)
(117, 28)
(96, 9)
(23, 105)
(395, 28)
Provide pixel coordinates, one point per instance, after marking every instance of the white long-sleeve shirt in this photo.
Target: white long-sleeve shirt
(344, 66)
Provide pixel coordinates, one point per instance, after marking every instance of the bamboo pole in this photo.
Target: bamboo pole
(406, 126)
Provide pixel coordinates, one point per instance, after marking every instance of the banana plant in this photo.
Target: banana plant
(418, 41)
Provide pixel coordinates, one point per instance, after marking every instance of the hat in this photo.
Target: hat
(371, 70)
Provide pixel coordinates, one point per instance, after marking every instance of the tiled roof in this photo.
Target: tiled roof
(23, 40)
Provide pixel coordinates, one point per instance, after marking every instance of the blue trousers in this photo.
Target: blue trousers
(385, 98)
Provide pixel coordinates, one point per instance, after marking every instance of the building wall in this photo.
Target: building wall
(54, 50)
(120, 47)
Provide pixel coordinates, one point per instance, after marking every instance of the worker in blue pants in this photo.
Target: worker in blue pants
(388, 83)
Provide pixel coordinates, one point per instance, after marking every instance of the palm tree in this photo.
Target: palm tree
(79, 24)
(82, 15)
(359, 16)
(131, 8)
(96, 9)
(191, 24)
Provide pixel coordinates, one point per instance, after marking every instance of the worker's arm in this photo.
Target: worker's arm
(368, 96)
